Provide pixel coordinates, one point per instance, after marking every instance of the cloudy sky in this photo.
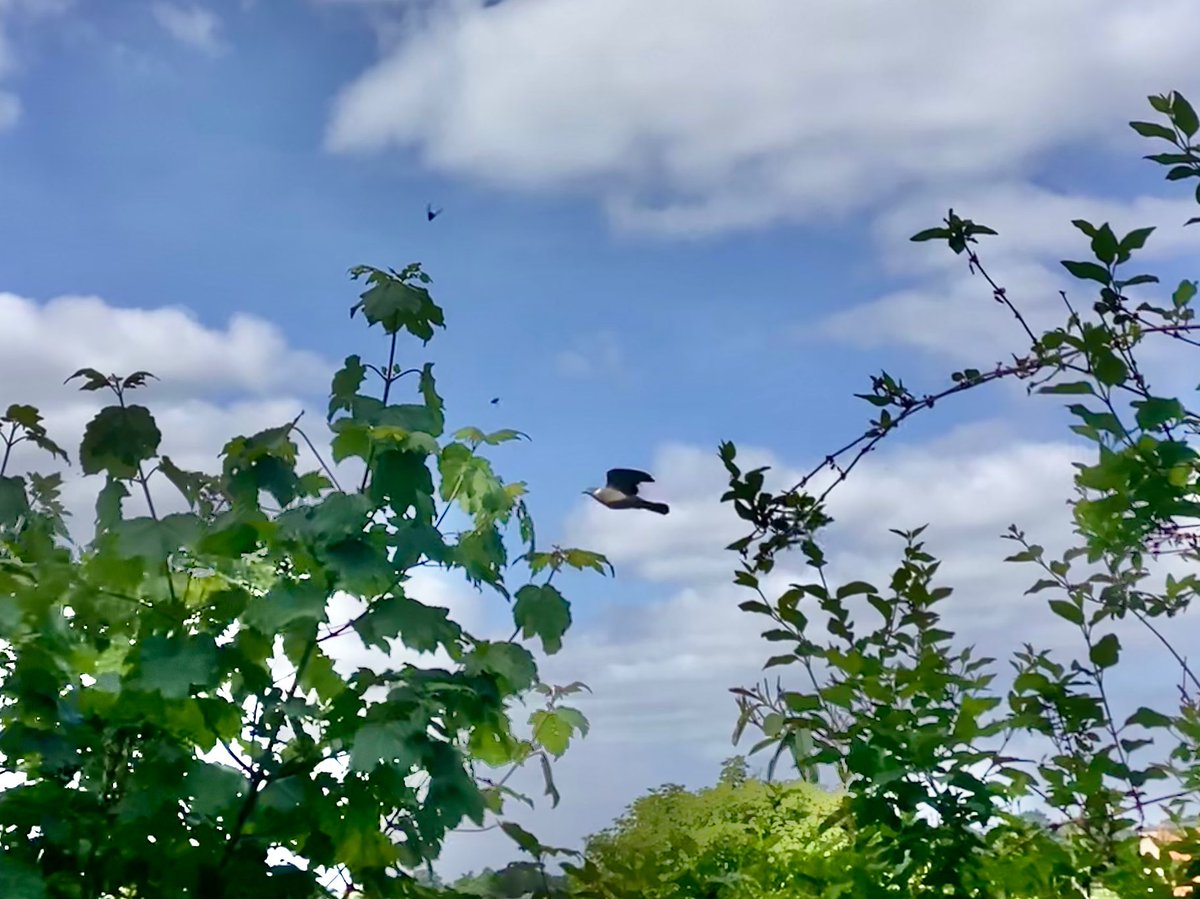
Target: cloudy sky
(667, 223)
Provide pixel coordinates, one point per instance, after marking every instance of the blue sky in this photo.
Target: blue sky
(665, 225)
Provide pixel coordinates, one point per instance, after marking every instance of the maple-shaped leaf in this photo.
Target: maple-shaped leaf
(542, 610)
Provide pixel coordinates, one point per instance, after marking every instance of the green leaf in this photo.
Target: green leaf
(543, 611)
(481, 555)
(1105, 245)
(1088, 271)
(1099, 421)
(854, 588)
(1105, 651)
(433, 402)
(1183, 115)
(28, 417)
(420, 627)
(402, 480)
(575, 718)
(20, 879)
(14, 503)
(263, 461)
(117, 440)
(1109, 369)
(1183, 294)
(1135, 280)
(94, 380)
(493, 744)
(350, 438)
(397, 305)
(29, 420)
(581, 559)
(1067, 610)
(510, 662)
(173, 665)
(1157, 411)
(337, 517)
(108, 504)
(523, 838)
(1160, 103)
(468, 479)
(1135, 239)
(551, 730)
(1071, 389)
(385, 743)
(213, 790)
(930, 234)
(1150, 129)
(346, 383)
(156, 541)
(286, 603)
(360, 565)
(1147, 717)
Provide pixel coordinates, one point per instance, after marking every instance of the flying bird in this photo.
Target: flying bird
(621, 491)
(495, 400)
(431, 213)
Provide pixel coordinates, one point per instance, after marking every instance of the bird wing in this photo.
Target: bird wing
(627, 479)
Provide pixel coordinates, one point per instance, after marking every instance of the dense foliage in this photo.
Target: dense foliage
(914, 725)
(745, 838)
(172, 722)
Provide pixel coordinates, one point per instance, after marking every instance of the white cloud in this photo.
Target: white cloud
(42, 343)
(193, 25)
(1033, 223)
(949, 312)
(599, 355)
(215, 383)
(697, 115)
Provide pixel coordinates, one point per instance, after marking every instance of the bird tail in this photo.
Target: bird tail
(660, 508)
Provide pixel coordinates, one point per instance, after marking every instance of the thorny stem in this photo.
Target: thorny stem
(974, 265)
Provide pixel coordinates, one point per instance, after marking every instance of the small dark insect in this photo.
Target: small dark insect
(431, 213)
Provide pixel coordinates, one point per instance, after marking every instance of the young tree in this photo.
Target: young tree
(170, 712)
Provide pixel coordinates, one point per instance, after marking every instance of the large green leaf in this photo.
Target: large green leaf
(20, 879)
(420, 627)
(386, 743)
(286, 603)
(397, 305)
(543, 611)
(155, 540)
(117, 440)
(173, 665)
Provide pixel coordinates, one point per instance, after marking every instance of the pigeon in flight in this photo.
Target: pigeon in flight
(620, 491)
(431, 213)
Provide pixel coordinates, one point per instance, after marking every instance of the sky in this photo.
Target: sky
(666, 223)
